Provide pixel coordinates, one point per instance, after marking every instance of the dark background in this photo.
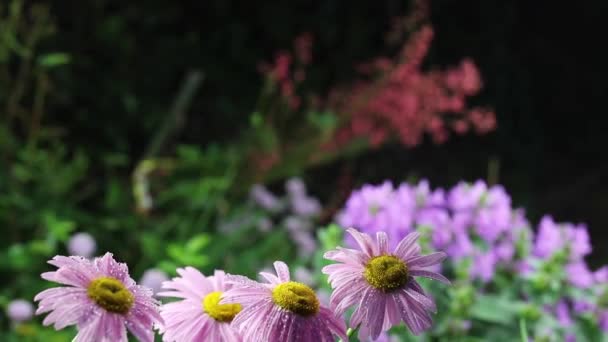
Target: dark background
(542, 62)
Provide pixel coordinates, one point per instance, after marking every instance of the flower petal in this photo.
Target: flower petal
(430, 275)
(382, 241)
(426, 260)
(364, 241)
(282, 271)
(406, 245)
(421, 299)
(375, 314)
(273, 279)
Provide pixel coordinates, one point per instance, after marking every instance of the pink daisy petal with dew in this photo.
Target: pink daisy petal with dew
(381, 284)
(100, 298)
(282, 310)
(198, 316)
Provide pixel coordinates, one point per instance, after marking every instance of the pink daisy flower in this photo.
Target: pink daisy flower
(199, 316)
(101, 299)
(282, 310)
(382, 284)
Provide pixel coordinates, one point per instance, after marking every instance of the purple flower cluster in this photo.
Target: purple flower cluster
(296, 212)
(265, 199)
(569, 240)
(153, 279)
(301, 204)
(19, 310)
(454, 219)
(596, 305)
(82, 244)
(476, 223)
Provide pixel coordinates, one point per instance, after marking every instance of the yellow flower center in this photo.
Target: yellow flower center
(111, 294)
(386, 273)
(296, 297)
(217, 311)
(374, 209)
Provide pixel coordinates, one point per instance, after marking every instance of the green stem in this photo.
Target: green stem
(523, 330)
(350, 332)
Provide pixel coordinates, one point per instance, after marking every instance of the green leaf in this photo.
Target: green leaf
(58, 229)
(54, 59)
(256, 120)
(324, 121)
(41, 247)
(151, 245)
(189, 153)
(496, 310)
(116, 159)
(168, 266)
(176, 252)
(189, 255)
(197, 243)
(331, 236)
(114, 194)
(18, 257)
(21, 172)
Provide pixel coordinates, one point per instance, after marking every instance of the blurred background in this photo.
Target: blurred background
(151, 127)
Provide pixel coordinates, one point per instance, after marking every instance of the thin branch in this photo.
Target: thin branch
(177, 115)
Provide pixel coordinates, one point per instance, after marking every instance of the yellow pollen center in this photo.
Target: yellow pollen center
(217, 311)
(111, 294)
(374, 209)
(386, 273)
(296, 297)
